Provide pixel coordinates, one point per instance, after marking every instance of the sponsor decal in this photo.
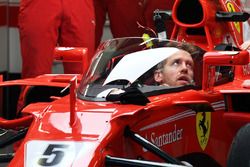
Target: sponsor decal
(203, 126)
(231, 8)
(166, 137)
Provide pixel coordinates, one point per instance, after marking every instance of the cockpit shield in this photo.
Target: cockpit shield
(125, 62)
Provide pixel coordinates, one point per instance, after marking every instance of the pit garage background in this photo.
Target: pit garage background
(10, 55)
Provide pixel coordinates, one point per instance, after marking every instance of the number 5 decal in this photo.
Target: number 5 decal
(53, 155)
(42, 153)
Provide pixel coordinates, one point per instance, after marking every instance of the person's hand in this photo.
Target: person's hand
(246, 84)
(245, 45)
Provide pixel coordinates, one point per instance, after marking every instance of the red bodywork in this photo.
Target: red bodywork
(196, 126)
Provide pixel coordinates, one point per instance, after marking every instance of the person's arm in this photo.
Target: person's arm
(245, 45)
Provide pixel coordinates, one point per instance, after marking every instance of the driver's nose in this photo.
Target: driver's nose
(184, 68)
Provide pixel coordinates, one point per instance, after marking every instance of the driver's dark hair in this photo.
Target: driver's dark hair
(188, 47)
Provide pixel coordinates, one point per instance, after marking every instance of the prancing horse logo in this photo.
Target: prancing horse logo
(203, 124)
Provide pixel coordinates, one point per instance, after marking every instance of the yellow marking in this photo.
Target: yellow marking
(231, 8)
(146, 39)
(203, 126)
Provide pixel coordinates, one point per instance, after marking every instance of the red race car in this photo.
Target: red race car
(116, 115)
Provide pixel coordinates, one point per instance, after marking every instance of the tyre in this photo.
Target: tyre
(239, 155)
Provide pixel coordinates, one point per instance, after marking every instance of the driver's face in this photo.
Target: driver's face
(177, 70)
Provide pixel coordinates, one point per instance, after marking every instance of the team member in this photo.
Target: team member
(245, 45)
(245, 4)
(129, 17)
(47, 24)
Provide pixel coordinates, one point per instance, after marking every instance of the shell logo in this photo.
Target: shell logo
(203, 126)
(231, 8)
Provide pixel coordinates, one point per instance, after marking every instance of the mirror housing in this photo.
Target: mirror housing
(220, 58)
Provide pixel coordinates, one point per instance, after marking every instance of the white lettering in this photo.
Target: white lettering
(166, 138)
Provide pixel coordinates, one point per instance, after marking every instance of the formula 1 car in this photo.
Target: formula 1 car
(116, 115)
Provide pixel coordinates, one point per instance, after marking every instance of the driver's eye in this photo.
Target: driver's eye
(176, 62)
(190, 65)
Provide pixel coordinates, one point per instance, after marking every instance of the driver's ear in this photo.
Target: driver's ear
(158, 76)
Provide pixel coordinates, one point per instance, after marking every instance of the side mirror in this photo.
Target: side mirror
(72, 54)
(220, 58)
